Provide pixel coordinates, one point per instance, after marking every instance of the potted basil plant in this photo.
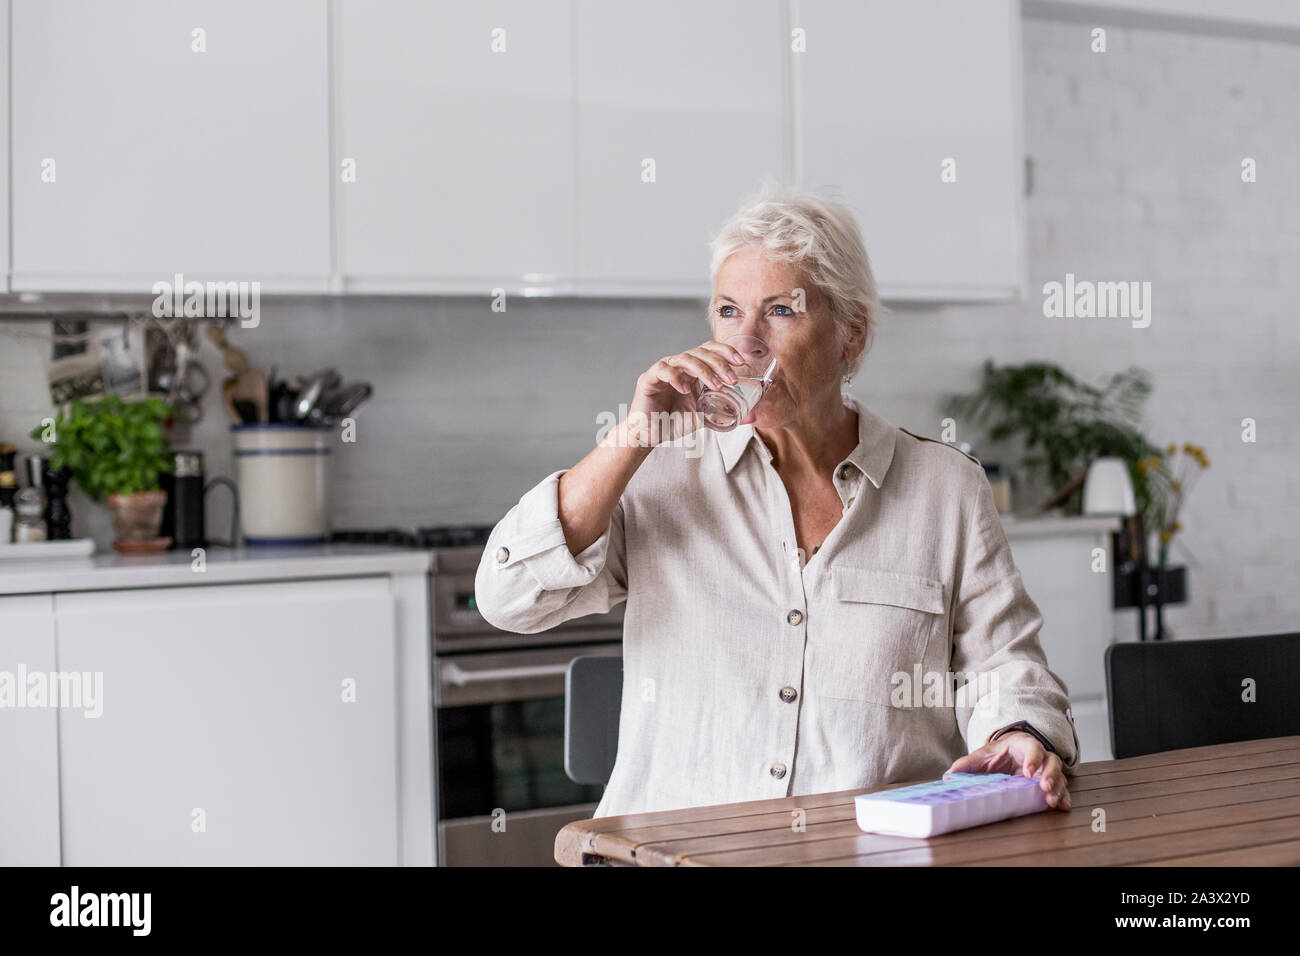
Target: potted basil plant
(115, 450)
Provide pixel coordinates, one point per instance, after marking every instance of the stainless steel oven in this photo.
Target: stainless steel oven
(502, 790)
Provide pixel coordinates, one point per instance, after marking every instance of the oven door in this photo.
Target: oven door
(502, 790)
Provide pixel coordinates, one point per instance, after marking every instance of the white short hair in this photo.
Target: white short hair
(819, 234)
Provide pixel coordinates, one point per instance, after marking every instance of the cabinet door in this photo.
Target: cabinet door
(458, 120)
(1076, 606)
(29, 733)
(699, 89)
(4, 144)
(888, 92)
(241, 724)
(136, 157)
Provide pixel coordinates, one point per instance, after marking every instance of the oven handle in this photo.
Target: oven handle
(453, 673)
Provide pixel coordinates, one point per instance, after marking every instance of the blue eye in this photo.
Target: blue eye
(788, 310)
(722, 310)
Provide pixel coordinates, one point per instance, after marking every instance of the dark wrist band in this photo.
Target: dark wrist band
(1026, 727)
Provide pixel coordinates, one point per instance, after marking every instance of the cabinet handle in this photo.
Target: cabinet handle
(457, 675)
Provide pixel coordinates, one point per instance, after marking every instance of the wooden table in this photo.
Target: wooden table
(1226, 805)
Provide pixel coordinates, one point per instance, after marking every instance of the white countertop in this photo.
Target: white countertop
(223, 566)
(1059, 525)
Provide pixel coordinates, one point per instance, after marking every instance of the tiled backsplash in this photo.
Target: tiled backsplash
(1136, 158)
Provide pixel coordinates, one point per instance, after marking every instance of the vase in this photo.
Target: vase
(136, 519)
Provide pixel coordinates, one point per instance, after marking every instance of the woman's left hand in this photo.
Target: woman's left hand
(1019, 752)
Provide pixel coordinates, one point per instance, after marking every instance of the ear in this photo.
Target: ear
(856, 339)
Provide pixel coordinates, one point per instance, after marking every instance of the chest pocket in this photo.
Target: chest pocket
(883, 624)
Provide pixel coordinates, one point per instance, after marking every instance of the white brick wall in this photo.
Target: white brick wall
(1136, 155)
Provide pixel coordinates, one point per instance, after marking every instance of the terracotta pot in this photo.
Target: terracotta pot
(137, 516)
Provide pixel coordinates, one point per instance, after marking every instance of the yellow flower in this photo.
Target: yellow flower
(1142, 466)
(1189, 448)
(1176, 485)
(1164, 537)
(1173, 447)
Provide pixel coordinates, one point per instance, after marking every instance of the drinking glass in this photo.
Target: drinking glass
(725, 407)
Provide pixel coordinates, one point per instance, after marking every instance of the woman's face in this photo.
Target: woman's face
(755, 295)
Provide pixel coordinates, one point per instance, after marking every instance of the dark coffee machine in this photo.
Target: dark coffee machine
(183, 518)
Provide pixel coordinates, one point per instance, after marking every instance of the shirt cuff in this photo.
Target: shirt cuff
(1056, 727)
(537, 542)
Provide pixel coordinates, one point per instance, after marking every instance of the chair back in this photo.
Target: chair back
(1167, 695)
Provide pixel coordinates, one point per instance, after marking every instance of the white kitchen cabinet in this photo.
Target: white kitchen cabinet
(29, 734)
(134, 157)
(457, 120)
(1058, 564)
(700, 90)
(227, 735)
(887, 93)
(4, 144)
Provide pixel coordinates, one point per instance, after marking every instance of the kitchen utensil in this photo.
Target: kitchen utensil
(190, 384)
(282, 399)
(236, 361)
(341, 402)
(250, 386)
(227, 399)
(314, 386)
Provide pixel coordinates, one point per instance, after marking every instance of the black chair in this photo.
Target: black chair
(1174, 694)
(593, 694)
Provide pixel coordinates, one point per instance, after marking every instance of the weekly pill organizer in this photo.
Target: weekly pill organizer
(958, 801)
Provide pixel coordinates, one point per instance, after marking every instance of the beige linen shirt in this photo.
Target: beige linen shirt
(750, 672)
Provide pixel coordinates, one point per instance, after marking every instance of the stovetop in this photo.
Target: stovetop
(439, 536)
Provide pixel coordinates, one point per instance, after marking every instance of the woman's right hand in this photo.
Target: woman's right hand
(666, 392)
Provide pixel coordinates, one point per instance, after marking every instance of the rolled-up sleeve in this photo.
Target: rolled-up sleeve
(529, 581)
(995, 646)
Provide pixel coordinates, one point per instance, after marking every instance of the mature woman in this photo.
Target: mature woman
(816, 600)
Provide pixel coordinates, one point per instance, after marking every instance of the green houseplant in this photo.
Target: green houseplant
(115, 450)
(1063, 423)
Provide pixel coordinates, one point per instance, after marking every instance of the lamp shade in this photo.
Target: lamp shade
(1107, 488)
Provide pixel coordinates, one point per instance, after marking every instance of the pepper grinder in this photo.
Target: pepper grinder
(58, 516)
(8, 486)
(8, 481)
(53, 485)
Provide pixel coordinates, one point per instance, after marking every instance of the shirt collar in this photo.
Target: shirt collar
(872, 456)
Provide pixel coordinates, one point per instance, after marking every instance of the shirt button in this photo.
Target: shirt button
(845, 471)
(794, 618)
(777, 770)
(788, 694)
(503, 555)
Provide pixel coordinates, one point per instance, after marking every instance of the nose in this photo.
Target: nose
(751, 326)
